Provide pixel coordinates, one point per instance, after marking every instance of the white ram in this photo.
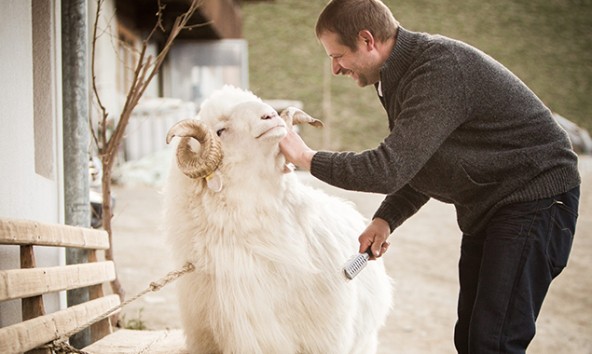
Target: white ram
(268, 250)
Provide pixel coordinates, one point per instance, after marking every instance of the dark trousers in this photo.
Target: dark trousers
(506, 269)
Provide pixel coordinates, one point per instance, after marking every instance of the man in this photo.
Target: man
(463, 130)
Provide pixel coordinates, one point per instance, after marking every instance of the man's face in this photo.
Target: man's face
(359, 65)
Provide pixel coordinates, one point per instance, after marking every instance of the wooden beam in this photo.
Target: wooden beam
(31, 306)
(134, 341)
(30, 334)
(26, 283)
(26, 232)
(225, 17)
(104, 327)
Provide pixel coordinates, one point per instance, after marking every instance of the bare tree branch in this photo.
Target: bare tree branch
(145, 69)
(104, 114)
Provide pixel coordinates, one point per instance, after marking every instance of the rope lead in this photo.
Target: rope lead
(60, 345)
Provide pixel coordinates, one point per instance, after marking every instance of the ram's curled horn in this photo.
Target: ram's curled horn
(190, 163)
(293, 116)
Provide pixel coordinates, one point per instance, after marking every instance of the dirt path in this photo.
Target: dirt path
(422, 260)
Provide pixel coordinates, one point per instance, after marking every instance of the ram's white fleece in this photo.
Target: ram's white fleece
(268, 250)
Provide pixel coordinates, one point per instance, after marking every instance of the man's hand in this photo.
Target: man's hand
(296, 151)
(375, 236)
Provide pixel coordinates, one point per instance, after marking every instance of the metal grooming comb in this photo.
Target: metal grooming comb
(355, 264)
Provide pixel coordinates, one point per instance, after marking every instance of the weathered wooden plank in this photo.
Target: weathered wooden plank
(101, 328)
(27, 232)
(126, 341)
(22, 283)
(30, 334)
(31, 307)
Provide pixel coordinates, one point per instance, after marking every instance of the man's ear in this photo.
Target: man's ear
(367, 39)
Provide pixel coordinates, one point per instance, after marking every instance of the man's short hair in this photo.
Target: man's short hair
(347, 18)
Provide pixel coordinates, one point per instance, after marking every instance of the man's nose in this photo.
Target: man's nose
(335, 67)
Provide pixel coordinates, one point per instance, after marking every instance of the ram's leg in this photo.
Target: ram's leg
(199, 336)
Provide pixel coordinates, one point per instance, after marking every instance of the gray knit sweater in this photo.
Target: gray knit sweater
(463, 130)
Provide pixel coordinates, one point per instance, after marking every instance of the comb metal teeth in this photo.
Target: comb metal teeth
(355, 265)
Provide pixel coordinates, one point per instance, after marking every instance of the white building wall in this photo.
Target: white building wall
(29, 190)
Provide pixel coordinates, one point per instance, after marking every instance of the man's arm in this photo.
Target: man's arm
(394, 210)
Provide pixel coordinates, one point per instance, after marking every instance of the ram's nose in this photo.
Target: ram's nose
(269, 116)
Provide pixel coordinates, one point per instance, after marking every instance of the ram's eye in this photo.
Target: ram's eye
(219, 131)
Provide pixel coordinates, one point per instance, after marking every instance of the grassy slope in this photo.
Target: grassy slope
(547, 43)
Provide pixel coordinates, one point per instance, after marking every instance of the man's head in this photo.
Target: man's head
(358, 36)
(348, 17)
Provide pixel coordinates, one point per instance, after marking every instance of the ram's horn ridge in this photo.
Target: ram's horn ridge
(210, 156)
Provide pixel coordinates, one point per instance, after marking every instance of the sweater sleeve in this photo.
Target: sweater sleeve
(400, 205)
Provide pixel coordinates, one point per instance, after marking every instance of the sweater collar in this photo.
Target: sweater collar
(399, 60)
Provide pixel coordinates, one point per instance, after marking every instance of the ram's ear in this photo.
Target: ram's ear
(294, 116)
(214, 181)
(314, 122)
(301, 117)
